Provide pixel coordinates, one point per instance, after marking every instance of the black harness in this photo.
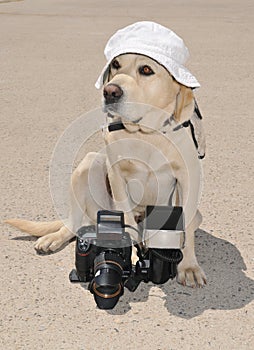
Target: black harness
(120, 126)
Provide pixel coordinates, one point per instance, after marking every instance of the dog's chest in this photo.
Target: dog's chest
(147, 182)
(145, 168)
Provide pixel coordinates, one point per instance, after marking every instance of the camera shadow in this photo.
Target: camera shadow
(228, 287)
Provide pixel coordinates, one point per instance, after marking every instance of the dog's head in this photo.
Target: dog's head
(134, 82)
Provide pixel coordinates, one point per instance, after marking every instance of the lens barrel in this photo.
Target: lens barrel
(107, 285)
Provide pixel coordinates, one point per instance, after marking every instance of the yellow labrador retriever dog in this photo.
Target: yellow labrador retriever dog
(147, 106)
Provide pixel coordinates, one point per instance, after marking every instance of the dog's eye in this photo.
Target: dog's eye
(115, 64)
(146, 70)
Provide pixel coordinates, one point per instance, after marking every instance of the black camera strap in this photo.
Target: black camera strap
(115, 126)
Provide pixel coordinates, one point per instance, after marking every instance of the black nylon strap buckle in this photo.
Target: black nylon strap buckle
(116, 126)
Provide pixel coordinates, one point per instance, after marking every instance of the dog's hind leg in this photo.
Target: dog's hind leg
(88, 194)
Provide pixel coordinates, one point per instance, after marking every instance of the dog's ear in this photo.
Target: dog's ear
(106, 75)
(184, 104)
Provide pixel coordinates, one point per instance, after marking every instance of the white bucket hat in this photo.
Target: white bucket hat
(152, 40)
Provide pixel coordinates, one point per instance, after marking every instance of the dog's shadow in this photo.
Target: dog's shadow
(228, 287)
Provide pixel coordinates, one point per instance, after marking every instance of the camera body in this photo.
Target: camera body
(103, 252)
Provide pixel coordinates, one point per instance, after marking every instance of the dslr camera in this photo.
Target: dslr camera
(103, 252)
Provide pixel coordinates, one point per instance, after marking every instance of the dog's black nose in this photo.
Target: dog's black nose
(112, 93)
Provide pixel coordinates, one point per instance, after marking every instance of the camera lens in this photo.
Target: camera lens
(107, 297)
(107, 285)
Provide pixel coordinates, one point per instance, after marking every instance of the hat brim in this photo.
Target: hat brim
(178, 71)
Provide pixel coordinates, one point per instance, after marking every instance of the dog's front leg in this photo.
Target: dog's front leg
(122, 202)
(189, 271)
(120, 195)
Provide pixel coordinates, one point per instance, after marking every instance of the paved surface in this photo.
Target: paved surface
(51, 53)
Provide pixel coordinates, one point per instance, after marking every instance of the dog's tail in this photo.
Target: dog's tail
(37, 229)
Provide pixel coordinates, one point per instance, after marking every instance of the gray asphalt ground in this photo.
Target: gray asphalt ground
(51, 52)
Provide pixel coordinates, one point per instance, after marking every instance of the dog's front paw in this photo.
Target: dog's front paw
(134, 256)
(190, 274)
